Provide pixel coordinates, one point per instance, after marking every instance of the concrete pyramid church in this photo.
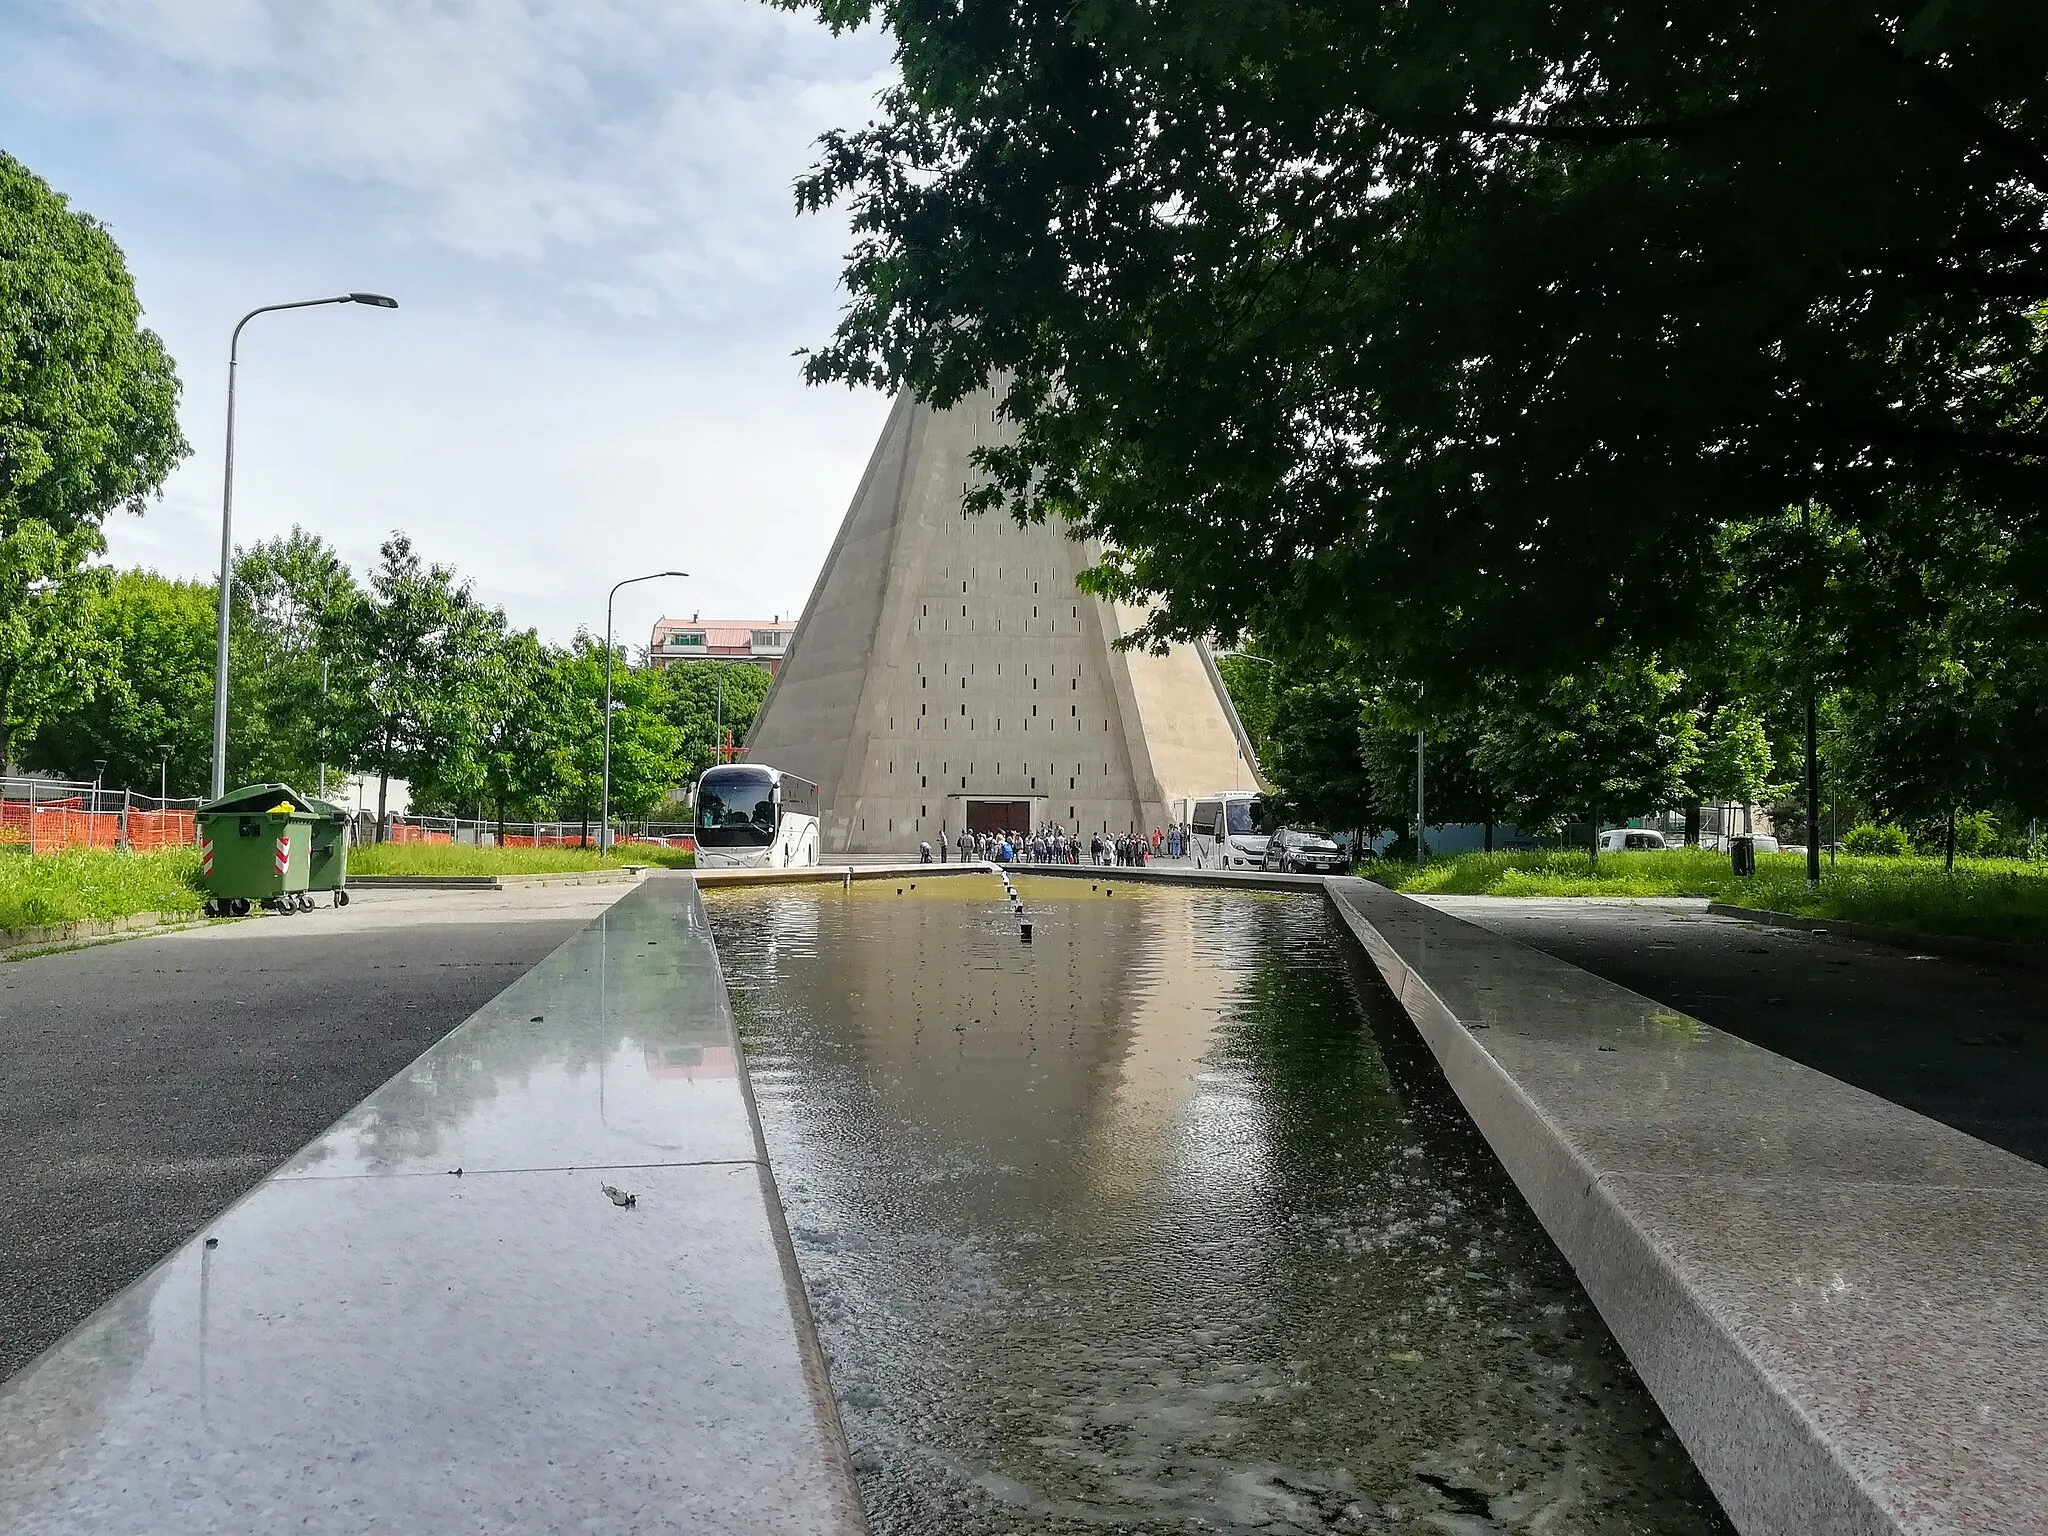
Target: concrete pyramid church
(948, 673)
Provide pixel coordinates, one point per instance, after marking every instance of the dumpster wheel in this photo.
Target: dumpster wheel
(341, 898)
(239, 906)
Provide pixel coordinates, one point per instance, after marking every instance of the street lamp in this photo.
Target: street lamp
(604, 815)
(163, 784)
(227, 518)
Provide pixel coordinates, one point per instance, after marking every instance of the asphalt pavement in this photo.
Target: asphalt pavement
(1960, 1041)
(144, 1085)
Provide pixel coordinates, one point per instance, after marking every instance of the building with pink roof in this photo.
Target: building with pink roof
(699, 639)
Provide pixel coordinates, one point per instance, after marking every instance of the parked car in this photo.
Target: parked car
(1630, 840)
(1763, 841)
(1304, 851)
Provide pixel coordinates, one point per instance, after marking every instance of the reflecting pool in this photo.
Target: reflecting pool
(1166, 1221)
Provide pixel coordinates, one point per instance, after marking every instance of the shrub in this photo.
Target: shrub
(1977, 834)
(1884, 842)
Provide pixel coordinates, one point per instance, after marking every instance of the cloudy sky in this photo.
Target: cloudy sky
(583, 208)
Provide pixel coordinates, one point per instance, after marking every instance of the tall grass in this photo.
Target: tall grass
(1563, 872)
(1985, 898)
(469, 859)
(37, 889)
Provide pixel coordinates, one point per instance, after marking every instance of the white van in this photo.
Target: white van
(1631, 840)
(1228, 830)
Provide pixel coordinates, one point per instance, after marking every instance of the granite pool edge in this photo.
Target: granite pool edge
(1778, 1460)
(845, 1487)
(828, 1477)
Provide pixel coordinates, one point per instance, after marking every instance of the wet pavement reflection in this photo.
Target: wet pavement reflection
(1165, 1222)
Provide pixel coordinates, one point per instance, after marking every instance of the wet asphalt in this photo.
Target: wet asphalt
(1963, 1042)
(144, 1085)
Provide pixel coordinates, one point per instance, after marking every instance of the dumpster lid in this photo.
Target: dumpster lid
(259, 799)
(328, 809)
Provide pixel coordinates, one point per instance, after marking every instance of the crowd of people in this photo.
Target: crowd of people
(1056, 845)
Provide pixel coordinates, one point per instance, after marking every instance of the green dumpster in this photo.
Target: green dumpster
(255, 845)
(328, 870)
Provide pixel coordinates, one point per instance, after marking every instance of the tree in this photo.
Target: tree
(1457, 332)
(1454, 788)
(1611, 740)
(88, 397)
(1249, 680)
(523, 708)
(51, 658)
(157, 689)
(291, 596)
(405, 658)
(645, 744)
(88, 423)
(688, 693)
(1313, 755)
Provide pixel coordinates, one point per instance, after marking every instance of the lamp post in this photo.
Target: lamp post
(604, 814)
(227, 534)
(163, 768)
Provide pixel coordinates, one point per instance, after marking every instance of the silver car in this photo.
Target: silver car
(1304, 851)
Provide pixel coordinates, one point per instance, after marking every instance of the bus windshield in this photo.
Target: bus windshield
(736, 809)
(1246, 816)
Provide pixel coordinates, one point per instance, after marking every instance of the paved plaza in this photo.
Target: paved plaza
(149, 1083)
(1961, 1041)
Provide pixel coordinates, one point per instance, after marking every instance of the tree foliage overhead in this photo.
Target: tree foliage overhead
(1478, 318)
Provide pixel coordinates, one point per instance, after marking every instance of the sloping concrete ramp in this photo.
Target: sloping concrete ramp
(1841, 1306)
(946, 661)
(435, 1318)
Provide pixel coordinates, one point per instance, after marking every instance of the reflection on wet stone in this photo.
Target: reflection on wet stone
(1167, 1222)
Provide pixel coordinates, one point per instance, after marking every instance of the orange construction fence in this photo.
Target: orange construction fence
(45, 826)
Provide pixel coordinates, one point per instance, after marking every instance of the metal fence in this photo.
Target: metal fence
(49, 815)
(519, 834)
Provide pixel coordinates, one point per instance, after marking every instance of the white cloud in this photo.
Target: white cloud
(584, 207)
(571, 131)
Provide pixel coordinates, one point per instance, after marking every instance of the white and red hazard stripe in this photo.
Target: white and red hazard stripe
(284, 852)
(206, 856)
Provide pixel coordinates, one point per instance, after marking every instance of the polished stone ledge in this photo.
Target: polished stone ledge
(1840, 1305)
(374, 1340)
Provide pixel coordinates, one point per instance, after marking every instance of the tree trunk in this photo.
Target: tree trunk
(1692, 823)
(1949, 844)
(1812, 789)
(501, 821)
(383, 788)
(1489, 834)
(1593, 843)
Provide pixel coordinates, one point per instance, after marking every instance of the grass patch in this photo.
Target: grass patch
(2004, 899)
(1566, 872)
(37, 889)
(469, 859)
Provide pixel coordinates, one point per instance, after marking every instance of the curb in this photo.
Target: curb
(57, 934)
(493, 882)
(834, 874)
(1133, 874)
(1955, 946)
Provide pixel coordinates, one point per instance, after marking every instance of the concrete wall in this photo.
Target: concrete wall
(946, 657)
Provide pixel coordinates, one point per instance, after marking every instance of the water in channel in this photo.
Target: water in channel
(1165, 1222)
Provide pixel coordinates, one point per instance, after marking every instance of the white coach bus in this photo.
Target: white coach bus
(750, 816)
(1230, 830)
